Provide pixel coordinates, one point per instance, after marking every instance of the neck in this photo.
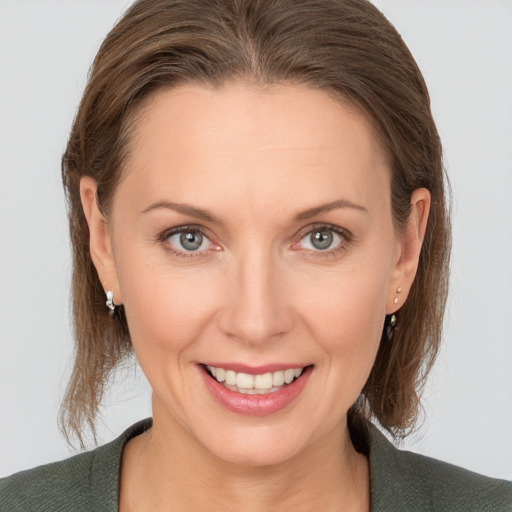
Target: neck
(166, 465)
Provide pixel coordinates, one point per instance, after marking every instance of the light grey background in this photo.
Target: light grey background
(464, 48)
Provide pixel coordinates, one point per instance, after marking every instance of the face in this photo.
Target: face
(252, 234)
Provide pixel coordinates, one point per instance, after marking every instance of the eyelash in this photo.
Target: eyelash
(164, 237)
(346, 239)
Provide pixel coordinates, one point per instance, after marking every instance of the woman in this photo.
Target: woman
(257, 210)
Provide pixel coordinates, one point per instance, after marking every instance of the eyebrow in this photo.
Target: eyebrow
(341, 203)
(205, 215)
(185, 209)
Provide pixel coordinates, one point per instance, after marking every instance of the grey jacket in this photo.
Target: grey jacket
(400, 482)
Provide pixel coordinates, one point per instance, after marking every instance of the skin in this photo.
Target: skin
(257, 292)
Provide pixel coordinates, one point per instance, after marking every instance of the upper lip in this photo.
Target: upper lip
(255, 370)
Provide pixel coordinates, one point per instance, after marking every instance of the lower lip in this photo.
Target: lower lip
(256, 405)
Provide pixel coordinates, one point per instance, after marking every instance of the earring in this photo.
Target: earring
(390, 326)
(110, 302)
(398, 290)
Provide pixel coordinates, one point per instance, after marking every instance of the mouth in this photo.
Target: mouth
(254, 384)
(255, 391)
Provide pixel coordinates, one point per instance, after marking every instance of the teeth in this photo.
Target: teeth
(254, 384)
(252, 391)
(244, 380)
(278, 378)
(288, 376)
(230, 377)
(263, 381)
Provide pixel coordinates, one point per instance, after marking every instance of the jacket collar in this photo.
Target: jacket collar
(395, 483)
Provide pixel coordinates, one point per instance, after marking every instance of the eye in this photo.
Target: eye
(187, 239)
(322, 239)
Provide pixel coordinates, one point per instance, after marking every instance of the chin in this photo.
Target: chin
(249, 449)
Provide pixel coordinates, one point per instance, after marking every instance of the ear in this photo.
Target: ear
(99, 238)
(410, 241)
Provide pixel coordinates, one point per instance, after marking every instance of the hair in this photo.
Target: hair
(344, 47)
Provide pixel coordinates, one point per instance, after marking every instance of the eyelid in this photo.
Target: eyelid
(346, 236)
(166, 234)
(342, 232)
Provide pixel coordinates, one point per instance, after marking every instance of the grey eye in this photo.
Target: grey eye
(321, 239)
(191, 240)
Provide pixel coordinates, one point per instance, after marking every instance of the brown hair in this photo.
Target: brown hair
(345, 47)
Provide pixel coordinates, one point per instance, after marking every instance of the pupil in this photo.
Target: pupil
(191, 240)
(321, 239)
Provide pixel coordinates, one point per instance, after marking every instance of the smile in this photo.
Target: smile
(272, 389)
(259, 384)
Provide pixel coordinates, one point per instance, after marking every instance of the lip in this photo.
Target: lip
(256, 370)
(256, 405)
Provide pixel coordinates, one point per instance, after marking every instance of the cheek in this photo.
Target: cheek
(348, 301)
(345, 314)
(166, 307)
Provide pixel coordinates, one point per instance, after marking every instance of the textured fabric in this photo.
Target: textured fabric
(403, 481)
(88, 482)
(400, 481)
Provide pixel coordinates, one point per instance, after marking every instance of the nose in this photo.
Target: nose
(256, 307)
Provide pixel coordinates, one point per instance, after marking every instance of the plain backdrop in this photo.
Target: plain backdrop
(464, 48)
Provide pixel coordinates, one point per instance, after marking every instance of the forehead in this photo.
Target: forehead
(287, 137)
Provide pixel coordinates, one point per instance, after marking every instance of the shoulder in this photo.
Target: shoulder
(88, 481)
(50, 487)
(414, 482)
(455, 488)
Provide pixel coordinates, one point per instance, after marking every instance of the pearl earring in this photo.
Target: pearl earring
(398, 290)
(110, 302)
